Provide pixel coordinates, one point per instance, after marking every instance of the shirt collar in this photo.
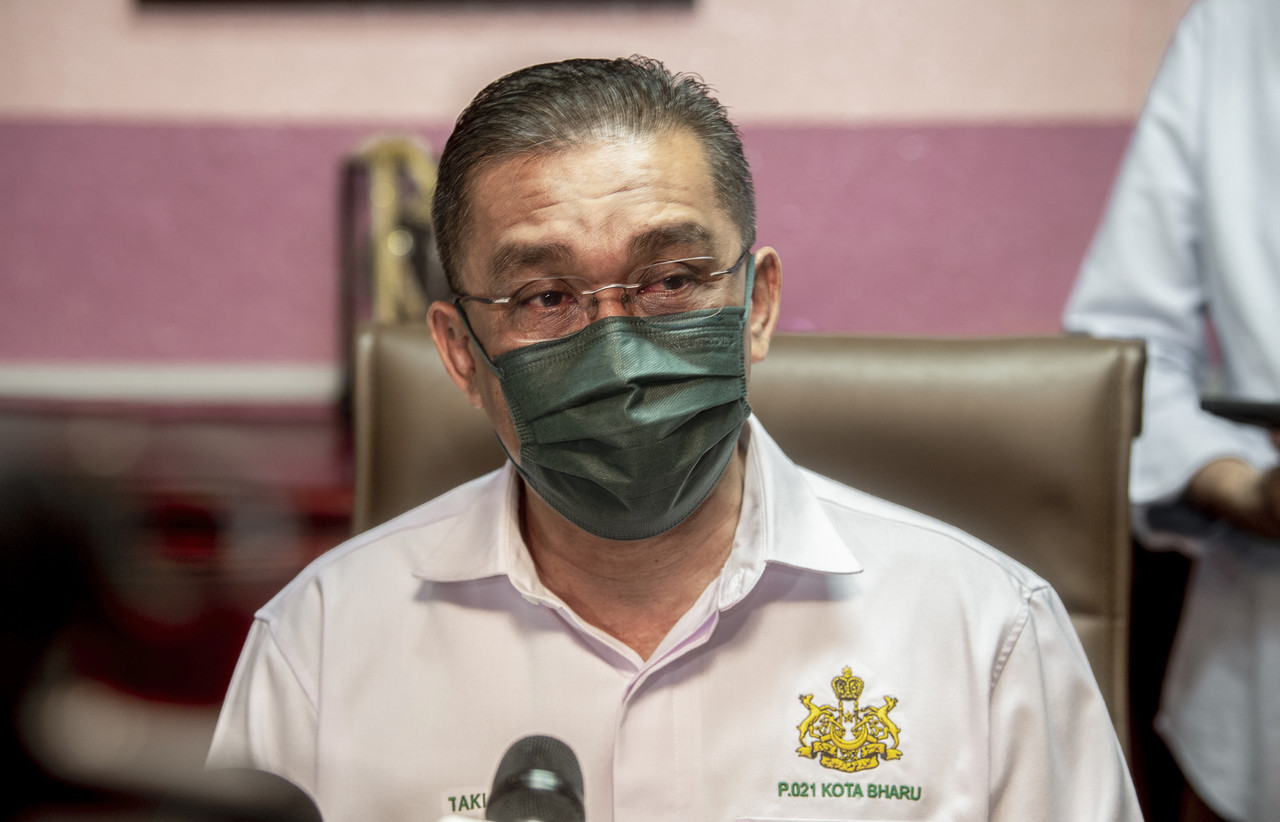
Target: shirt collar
(783, 522)
(476, 533)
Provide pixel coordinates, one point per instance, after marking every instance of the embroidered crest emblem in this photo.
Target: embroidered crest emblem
(845, 736)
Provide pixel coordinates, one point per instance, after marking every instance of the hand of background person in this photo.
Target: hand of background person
(1236, 491)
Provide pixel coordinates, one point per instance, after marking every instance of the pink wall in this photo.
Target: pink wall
(169, 171)
(799, 61)
(181, 242)
(931, 229)
(163, 242)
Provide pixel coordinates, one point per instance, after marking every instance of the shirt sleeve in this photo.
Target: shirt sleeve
(1143, 277)
(268, 720)
(1054, 752)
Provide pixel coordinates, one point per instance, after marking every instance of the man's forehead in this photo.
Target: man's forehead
(640, 196)
(672, 153)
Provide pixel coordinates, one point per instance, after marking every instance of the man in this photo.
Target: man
(717, 633)
(1188, 259)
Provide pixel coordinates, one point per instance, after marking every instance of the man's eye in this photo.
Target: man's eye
(673, 282)
(666, 279)
(542, 299)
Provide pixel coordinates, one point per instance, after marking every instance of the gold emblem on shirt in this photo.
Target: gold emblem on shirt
(847, 737)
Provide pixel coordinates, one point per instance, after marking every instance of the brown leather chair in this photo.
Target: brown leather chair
(1023, 442)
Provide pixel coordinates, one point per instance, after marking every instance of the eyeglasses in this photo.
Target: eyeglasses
(548, 308)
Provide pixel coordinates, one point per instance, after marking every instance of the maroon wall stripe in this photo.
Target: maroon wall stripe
(143, 242)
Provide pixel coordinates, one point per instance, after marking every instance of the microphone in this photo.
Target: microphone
(538, 780)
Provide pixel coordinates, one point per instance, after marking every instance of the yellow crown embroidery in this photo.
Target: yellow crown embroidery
(847, 687)
(844, 736)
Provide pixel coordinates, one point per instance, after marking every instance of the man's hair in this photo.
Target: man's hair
(554, 106)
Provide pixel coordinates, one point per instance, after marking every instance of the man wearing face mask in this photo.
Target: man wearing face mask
(717, 633)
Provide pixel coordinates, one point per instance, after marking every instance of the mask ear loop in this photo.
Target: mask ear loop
(751, 282)
(746, 314)
(466, 323)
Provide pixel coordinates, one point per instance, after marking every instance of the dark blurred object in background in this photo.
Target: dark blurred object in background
(125, 595)
(47, 583)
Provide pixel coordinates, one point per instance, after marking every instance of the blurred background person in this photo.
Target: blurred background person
(1188, 259)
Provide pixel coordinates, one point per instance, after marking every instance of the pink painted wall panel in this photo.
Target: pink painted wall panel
(960, 230)
(136, 242)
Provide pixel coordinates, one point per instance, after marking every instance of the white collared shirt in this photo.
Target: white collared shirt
(389, 678)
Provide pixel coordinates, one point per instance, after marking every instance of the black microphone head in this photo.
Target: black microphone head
(538, 780)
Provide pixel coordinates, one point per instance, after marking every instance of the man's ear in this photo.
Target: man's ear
(766, 300)
(454, 345)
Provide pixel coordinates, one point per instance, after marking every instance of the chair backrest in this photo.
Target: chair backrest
(1023, 442)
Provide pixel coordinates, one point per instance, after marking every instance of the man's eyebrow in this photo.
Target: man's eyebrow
(645, 246)
(657, 240)
(514, 257)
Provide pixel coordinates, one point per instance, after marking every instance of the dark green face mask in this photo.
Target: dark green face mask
(627, 425)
